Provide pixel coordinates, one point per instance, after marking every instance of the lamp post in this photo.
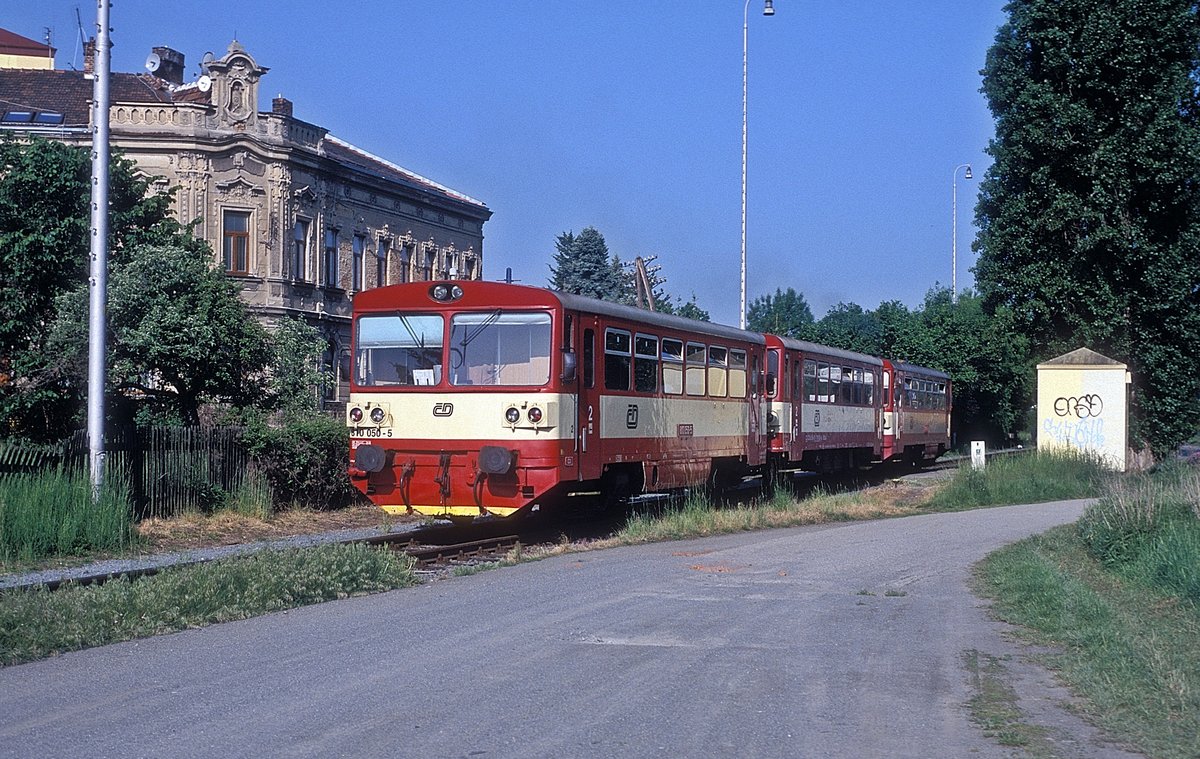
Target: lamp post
(768, 10)
(954, 230)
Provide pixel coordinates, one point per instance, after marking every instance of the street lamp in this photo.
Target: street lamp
(768, 10)
(954, 231)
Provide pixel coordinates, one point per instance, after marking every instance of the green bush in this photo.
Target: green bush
(53, 513)
(304, 459)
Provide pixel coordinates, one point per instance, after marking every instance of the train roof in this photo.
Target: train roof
(915, 369)
(480, 294)
(825, 350)
(654, 318)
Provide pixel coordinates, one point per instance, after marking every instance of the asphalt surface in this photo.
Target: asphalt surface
(773, 644)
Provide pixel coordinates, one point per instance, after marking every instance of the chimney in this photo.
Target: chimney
(282, 106)
(89, 56)
(170, 67)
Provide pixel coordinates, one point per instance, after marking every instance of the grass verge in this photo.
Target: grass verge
(36, 623)
(1132, 652)
(1027, 478)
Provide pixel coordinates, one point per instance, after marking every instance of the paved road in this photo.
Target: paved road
(751, 645)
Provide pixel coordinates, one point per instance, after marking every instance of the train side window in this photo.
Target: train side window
(869, 388)
(645, 363)
(617, 352)
(718, 372)
(589, 358)
(737, 373)
(858, 387)
(773, 369)
(695, 368)
(810, 381)
(672, 367)
(887, 388)
(835, 384)
(823, 384)
(847, 394)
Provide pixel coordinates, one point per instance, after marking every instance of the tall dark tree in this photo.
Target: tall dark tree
(583, 266)
(785, 313)
(1090, 215)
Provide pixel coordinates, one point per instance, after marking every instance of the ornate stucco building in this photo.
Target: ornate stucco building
(301, 219)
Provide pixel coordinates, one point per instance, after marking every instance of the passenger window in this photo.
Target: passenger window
(616, 359)
(672, 367)
(869, 388)
(718, 375)
(810, 381)
(695, 368)
(823, 384)
(737, 373)
(645, 363)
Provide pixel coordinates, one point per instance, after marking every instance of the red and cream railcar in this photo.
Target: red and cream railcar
(916, 412)
(824, 405)
(478, 398)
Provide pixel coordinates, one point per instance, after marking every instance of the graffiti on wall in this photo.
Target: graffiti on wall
(1078, 423)
(1088, 406)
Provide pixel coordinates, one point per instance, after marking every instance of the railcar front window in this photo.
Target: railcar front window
(399, 349)
(500, 348)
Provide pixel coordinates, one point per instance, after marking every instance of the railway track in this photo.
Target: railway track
(425, 545)
(434, 548)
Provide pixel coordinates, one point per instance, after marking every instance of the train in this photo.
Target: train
(473, 399)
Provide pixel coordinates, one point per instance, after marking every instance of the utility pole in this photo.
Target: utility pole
(98, 277)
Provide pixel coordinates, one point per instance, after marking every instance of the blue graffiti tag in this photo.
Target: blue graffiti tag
(1084, 433)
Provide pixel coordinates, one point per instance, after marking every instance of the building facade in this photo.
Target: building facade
(299, 218)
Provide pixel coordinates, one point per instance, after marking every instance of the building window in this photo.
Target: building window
(469, 272)
(381, 256)
(405, 264)
(331, 258)
(359, 244)
(430, 261)
(300, 250)
(235, 232)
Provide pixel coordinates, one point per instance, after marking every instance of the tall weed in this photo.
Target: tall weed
(53, 513)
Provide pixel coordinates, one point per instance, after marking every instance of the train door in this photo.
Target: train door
(755, 448)
(587, 428)
(796, 444)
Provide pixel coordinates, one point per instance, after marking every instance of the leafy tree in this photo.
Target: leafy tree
(44, 241)
(988, 362)
(848, 326)
(296, 366)
(1090, 215)
(179, 334)
(785, 313)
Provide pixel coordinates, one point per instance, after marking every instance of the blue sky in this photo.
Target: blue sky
(626, 116)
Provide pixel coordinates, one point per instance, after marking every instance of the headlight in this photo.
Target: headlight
(535, 415)
(441, 292)
(456, 292)
(512, 415)
(356, 415)
(377, 415)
